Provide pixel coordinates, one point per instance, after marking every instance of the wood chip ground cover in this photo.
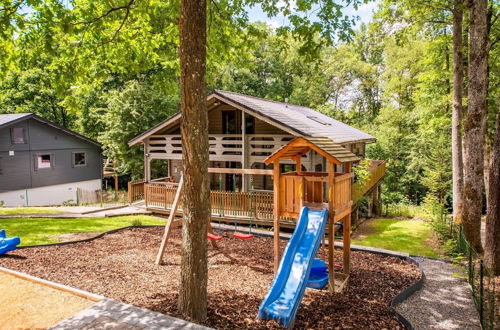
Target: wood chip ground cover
(121, 266)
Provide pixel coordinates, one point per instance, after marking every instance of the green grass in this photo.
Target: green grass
(45, 230)
(409, 236)
(28, 210)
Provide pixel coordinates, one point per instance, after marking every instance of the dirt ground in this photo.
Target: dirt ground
(121, 266)
(28, 305)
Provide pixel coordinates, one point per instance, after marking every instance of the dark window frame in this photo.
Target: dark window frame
(52, 161)
(12, 129)
(73, 159)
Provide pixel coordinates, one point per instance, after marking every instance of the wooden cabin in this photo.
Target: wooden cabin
(243, 132)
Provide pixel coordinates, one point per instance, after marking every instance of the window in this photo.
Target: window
(79, 159)
(17, 135)
(44, 161)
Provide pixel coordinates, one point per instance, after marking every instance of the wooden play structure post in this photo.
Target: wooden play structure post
(276, 215)
(331, 224)
(293, 190)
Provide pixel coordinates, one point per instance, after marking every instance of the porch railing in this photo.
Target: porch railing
(256, 204)
(136, 191)
(223, 147)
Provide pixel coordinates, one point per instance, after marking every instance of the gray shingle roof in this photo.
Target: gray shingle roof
(8, 118)
(304, 120)
(301, 120)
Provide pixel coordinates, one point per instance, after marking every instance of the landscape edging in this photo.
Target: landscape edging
(399, 298)
(112, 231)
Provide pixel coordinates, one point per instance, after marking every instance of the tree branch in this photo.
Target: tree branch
(107, 13)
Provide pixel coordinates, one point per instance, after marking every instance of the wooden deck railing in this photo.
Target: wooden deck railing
(257, 204)
(136, 191)
(377, 170)
(222, 147)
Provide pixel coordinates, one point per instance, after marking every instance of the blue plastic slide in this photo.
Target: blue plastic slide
(8, 244)
(286, 291)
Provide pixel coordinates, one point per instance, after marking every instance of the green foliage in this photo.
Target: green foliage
(128, 112)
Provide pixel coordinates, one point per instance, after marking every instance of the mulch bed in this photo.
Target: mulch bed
(121, 266)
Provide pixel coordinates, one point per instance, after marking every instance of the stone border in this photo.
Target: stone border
(400, 297)
(54, 285)
(112, 231)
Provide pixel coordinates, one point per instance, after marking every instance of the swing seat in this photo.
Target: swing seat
(335, 266)
(214, 237)
(242, 235)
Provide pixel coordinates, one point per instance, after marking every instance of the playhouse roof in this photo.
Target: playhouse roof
(322, 145)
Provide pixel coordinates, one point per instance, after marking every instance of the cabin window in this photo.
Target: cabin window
(249, 124)
(79, 159)
(229, 122)
(17, 135)
(44, 161)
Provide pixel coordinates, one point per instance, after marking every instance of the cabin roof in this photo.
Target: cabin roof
(322, 145)
(12, 118)
(294, 119)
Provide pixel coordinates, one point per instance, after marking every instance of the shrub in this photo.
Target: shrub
(136, 223)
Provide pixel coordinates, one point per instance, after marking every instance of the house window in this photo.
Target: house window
(79, 159)
(17, 135)
(44, 161)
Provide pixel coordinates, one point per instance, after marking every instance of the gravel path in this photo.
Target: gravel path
(444, 302)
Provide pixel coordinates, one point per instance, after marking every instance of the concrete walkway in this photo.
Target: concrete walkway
(444, 302)
(111, 314)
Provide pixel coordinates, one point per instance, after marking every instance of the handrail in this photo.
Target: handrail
(377, 172)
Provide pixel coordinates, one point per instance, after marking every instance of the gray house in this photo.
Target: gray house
(42, 163)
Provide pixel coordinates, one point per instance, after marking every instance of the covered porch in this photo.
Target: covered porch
(254, 205)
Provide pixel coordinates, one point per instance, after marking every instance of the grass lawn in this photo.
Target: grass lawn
(411, 236)
(27, 210)
(45, 230)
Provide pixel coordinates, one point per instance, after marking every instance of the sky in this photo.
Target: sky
(364, 12)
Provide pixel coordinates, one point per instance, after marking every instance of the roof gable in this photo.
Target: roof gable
(294, 119)
(9, 119)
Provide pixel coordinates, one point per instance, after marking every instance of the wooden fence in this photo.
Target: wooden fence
(91, 197)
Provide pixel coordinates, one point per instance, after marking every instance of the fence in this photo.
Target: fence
(485, 286)
(92, 197)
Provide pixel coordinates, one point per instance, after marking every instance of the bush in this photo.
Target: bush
(136, 223)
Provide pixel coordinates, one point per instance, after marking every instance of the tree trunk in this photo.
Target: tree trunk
(456, 125)
(194, 130)
(492, 244)
(474, 123)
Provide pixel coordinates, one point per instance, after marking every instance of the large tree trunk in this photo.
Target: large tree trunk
(492, 244)
(473, 124)
(194, 130)
(456, 125)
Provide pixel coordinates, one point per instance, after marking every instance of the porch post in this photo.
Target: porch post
(147, 162)
(243, 152)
